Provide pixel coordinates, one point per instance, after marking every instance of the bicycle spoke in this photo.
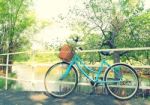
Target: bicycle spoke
(124, 83)
(56, 86)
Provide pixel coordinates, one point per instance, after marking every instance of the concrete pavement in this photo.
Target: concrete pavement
(39, 98)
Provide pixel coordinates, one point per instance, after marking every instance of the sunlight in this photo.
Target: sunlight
(46, 9)
(147, 4)
(51, 9)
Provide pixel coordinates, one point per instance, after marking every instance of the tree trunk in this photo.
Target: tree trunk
(116, 57)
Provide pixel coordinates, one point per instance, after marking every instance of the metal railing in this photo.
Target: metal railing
(34, 65)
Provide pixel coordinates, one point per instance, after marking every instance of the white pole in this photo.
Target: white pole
(7, 67)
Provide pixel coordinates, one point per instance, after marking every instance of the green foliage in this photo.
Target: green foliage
(92, 42)
(45, 57)
(10, 82)
(2, 83)
(17, 87)
(21, 58)
(136, 31)
(131, 7)
(125, 24)
(15, 19)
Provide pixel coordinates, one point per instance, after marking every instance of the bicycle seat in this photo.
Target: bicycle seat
(106, 53)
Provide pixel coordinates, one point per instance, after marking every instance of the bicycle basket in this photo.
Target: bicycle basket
(66, 53)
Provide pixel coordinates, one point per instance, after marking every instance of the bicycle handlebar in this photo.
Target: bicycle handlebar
(105, 53)
(108, 53)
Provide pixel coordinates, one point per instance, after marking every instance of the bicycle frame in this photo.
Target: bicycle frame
(116, 78)
(79, 63)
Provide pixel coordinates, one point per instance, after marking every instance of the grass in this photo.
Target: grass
(2, 83)
(10, 82)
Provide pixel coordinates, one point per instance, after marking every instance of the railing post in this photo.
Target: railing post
(6, 77)
(33, 74)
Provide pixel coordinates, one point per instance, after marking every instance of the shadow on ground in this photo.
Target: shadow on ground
(37, 98)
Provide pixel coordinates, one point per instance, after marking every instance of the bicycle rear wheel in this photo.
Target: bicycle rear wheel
(121, 81)
(55, 85)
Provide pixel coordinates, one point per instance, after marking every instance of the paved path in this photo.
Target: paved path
(37, 98)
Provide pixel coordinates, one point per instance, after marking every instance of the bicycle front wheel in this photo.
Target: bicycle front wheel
(57, 86)
(121, 81)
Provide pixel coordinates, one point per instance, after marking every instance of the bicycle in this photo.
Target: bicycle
(121, 80)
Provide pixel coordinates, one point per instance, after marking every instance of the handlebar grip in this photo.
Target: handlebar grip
(106, 53)
(80, 48)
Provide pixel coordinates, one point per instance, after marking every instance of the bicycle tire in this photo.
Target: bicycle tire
(60, 88)
(123, 85)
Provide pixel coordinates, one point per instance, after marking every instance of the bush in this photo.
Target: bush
(10, 82)
(2, 83)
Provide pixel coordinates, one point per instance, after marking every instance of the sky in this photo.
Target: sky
(46, 9)
(49, 9)
(147, 4)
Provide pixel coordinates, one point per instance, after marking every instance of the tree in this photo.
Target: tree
(15, 19)
(136, 33)
(109, 19)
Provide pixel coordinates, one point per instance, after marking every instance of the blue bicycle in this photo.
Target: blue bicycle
(121, 80)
